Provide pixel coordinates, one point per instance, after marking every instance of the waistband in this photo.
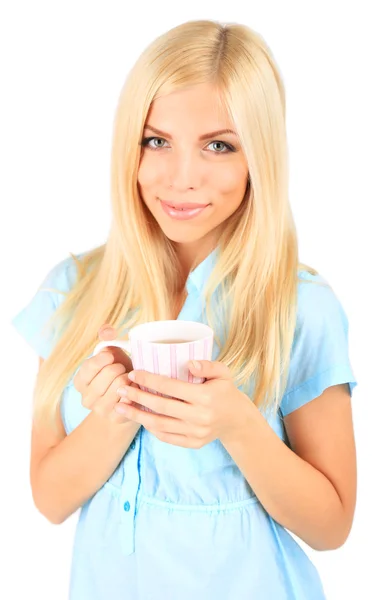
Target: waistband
(217, 507)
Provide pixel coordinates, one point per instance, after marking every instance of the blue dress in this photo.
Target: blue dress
(180, 524)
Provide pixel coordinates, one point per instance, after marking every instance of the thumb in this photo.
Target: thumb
(209, 369)
(106, 333)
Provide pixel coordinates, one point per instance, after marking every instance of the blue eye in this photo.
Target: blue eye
(146, 142)
(226, 148)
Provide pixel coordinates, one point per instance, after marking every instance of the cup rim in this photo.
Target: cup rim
(207, 335)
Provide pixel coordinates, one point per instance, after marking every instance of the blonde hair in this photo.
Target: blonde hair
(134, 277)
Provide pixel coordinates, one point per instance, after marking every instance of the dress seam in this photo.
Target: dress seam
(143, 499)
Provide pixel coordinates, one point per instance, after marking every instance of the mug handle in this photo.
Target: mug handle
(123, 344)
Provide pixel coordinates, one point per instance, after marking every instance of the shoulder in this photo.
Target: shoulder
(35, 321)
(317, 302)
(320, 350)
(61, 278)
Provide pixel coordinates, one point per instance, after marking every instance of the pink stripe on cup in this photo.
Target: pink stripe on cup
(140, 355)
(191, 357)
(155, 364)
(155, 360)
(173, 358)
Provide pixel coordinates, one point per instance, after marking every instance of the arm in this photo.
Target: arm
(311, 488)
(68, 470)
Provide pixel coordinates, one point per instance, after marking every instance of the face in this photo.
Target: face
(192, 174)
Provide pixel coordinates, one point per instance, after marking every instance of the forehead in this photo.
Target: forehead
(199, 106)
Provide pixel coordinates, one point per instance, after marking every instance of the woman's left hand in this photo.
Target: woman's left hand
(215, 409)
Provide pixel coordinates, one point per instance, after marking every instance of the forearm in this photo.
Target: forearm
(76, 469)
(292, 491)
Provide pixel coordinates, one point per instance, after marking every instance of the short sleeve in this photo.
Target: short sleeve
(32, 323)
(320, 351)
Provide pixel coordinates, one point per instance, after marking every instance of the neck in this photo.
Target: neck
(191, 255)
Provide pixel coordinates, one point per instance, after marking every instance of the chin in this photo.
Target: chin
(179, 237)
(186, 232)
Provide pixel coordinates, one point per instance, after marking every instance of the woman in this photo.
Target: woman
(196, 501)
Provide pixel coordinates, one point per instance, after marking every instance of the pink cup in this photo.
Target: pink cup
(165, 347)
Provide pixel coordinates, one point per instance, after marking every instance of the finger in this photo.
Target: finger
(100, 384)
(190, 392)
(107, 332)
(106, 403)
(169, 407)
(175, 439)
(209, 369)
(152, 421)
(105, 379)
(91, 368)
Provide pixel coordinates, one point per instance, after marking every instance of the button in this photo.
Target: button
(133, 445)
(127, 506)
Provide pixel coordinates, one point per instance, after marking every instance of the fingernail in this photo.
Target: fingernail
(132, 376)
(196, 364)
(105, 356)
(121, 391)
(121, 408)
(106, 329)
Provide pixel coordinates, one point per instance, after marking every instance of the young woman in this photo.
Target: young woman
(197, 501)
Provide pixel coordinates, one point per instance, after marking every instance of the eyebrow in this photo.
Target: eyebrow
(205, 136)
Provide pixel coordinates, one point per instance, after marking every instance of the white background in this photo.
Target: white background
(63, 65)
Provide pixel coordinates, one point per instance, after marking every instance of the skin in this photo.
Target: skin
(178, 166)
(309, 487)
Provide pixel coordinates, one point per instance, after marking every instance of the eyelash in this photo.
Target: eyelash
(145, 143)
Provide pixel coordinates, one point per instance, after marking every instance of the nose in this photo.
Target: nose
(184, 171)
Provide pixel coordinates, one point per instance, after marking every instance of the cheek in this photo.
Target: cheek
(231, 182)
(148, 174)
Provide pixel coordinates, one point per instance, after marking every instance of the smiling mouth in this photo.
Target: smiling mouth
(183, 205)
(182, 211)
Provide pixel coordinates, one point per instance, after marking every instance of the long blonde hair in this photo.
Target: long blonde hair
(134, 276)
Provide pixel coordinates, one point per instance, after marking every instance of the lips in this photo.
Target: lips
(183, 205)
(182, 211)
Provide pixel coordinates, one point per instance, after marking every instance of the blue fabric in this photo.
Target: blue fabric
(33, 321)
(179, 524)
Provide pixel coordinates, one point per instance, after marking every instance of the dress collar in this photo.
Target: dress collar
(199, 276)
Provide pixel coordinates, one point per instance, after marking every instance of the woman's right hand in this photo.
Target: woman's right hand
(100, 376)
